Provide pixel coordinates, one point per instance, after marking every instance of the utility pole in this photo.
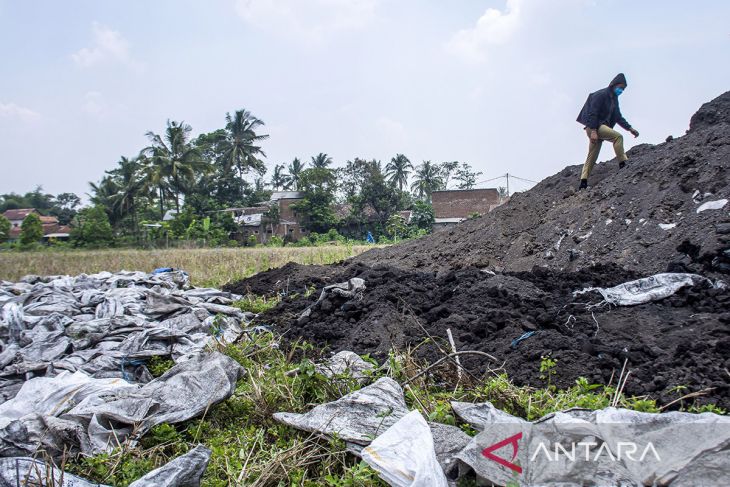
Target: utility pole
(507, 176)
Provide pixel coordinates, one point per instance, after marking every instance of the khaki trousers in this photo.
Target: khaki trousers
(604, 133)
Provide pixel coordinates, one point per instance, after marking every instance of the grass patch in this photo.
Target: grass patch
(256, 304)
(207, 267)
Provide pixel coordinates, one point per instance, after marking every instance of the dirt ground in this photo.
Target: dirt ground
(513, 271)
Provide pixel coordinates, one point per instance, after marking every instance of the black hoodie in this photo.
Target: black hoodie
(601, 107)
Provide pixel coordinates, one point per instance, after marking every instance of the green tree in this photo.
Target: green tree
(396, 226)
(428, 178)
(64, 207)
(295, 173)
(5, 227)
(241, 146)
(315, 209)
(447, 170)
(92, 228)
(422, 215)
(129, 179)
(376, 197)
(503, 194)
(398, 170)
(321, 161)
(279, 178)
(31, 230)
(466, 176)
(174, 159)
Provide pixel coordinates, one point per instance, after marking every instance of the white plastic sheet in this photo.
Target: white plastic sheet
(653, 288)
(404, 454)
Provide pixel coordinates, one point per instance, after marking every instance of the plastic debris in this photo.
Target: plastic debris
(73, 354)
(712, 205)
(404, 454)
(184, 471)
(361, 416)
(352, 289)
(653, 288)
(606, 447)
(345, 362)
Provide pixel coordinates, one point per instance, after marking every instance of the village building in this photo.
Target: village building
(258, 221)
(453, 206)
(51, 228)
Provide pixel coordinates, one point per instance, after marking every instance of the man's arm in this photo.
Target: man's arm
(625, 125)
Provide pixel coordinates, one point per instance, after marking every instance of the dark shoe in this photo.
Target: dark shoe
(622, 164)
(583, 184)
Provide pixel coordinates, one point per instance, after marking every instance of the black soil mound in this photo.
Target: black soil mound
(289, 279)
(616, 221)
(680, 341)
(513, 271)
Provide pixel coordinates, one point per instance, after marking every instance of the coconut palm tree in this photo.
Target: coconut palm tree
(295, 173)
(397, 171)
(177, 160)
(321, 161)
(447, 169)
(279, 179)
(428, 178)
(241, 149)
(128, 177)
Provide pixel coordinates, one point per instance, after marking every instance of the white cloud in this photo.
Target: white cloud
(308, 20)
(11, 111)
(109, 45)
(95, 104)
(494, 28)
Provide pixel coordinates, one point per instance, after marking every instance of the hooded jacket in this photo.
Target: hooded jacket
(601, 107)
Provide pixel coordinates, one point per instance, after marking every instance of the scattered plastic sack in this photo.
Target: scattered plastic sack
(712, 205)
(653, 288)
(345, 362)
(404, 454)
(73, 411)
(184, 471)
(606, 447)
(26, 471)
(352, 289)
(361, 416)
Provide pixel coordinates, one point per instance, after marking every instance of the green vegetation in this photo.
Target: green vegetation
(31, 230)
(5, 227)
(250, 448)
(176, 191)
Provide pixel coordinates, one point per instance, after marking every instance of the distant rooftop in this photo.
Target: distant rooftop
(286, 195)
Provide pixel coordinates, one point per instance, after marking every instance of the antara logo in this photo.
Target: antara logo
(512, 440)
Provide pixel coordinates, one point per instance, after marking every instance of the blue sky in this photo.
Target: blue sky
(497, 84)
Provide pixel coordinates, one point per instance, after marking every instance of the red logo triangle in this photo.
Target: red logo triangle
(512, 440)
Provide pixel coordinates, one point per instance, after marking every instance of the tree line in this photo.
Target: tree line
(199, 176)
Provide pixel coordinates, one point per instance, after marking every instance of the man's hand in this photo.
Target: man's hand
(634, 132)
(594, 135)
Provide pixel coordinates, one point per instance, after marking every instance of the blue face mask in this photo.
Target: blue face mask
(618, 90)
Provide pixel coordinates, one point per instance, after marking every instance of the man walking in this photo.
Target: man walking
(599, 115)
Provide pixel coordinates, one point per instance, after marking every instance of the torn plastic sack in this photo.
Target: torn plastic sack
(606, 447)
(359, 417)
(404, 454)
(26, 471)
(74, 411)
(653, 288)
(184, 471)
(345, 363)
(352, 289)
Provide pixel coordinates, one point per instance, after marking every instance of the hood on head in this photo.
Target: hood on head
(619, 79)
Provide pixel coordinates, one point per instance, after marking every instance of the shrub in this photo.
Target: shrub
(5, 226)
(92, 228)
